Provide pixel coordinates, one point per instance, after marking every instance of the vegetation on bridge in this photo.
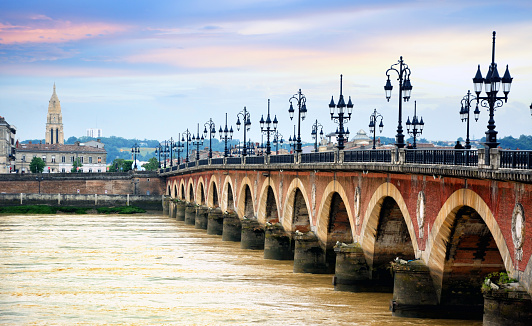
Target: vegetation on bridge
(46, 209)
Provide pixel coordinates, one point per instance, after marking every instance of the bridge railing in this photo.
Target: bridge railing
(204, 161)
(516, 159)
(319, 157)
(233, 160)
(217, 161)
(282, 159)
(368, 155)
(464, 157)
(254, 160)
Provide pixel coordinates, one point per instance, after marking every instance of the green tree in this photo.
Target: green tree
(37, 165)
(120, 165)
(77, 164)
(152, 164)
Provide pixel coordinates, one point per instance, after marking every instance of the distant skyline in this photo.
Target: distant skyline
(150, 70)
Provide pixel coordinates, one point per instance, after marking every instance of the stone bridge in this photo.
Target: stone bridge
(442, 228)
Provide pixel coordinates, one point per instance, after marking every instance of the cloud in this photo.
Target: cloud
(42, 29)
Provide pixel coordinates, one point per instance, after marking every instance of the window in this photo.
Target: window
(23, 158)
(81, 159)
(90, 170)
(63, 170)
(71, 159)
(53, 158)
(90, 159)
(63, 159)
(99, 170)
(99, 159)
(44, 158)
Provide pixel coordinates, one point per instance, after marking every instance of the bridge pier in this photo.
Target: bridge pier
(232, 227)
(166, 205)
(414, 295)
(278, 245)
(215, 222)
(171, 209)
(309, 255)
(252, 235)
(180, 210)
(190, 214)
(507, 306)
(352, 272)
(201, 219)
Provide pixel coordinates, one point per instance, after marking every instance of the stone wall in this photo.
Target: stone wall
(146, 202)
(133, 183)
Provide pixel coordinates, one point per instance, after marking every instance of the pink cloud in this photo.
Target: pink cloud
(43, 29)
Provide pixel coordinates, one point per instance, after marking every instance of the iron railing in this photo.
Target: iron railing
(368, 155)
(255, 159)
(191, 164)
(282, 159)
(203, 162)
(217, 161)
(465, 157)
(319, 157)
(233, 160)
(516, 159)
(182, 166)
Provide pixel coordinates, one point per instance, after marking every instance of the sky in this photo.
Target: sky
(153, 69)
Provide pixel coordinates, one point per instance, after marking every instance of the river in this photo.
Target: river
(151, 269)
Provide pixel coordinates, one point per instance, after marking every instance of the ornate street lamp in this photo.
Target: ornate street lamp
(211, 132)
(405, 88)
(197, 141)
(302, 112)
(464, 113)
(268, 127)
(314, 134)
(226, 135)
(277, 139)
(415, 127)
(158, 151)
(171, 147)
(247, 123)
(179, 147)
(340, 118)
(186, 139)
(373, 122)
(292, 140)
(492, 84)
(135, 150)
(162, 151)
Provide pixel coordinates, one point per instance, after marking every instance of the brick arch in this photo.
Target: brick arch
(200, 190)
(224, 202)
(190, 184)
(213, 185)
(435, 251)
(288, 208)
(325, 207)
(368, 232)
(175, 191)
(168, 190)
(241, 201)
(263, 197)
(182, 189)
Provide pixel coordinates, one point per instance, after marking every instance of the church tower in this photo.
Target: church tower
(54, 122)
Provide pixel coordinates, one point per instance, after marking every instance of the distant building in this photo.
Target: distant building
(94, 143)
(60, 158)
(54, 121)
(7, 146)
(94, 133)
(57, 156)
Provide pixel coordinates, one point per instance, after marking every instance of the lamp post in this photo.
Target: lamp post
(292, 140)
(135, 150)
(185, 138)
(197, 141)
(340, 118)
(162, 151)
(373, 122)
(405, 88)
(158, 152)
(492, 84)
(314, 134)
(179, 147)
(268, 127)
(247, 123)
(302, 113)
(464, 113)
(415, 127)
(226, 135)
(211, 132)
(277, 139)
(171, 146)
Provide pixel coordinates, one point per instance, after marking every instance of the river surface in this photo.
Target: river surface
(151, 269)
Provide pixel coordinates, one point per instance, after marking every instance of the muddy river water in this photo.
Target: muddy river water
(150, 269)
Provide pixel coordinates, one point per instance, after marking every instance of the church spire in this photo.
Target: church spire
(54, 121)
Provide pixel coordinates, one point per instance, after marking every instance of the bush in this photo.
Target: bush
(120, 210)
